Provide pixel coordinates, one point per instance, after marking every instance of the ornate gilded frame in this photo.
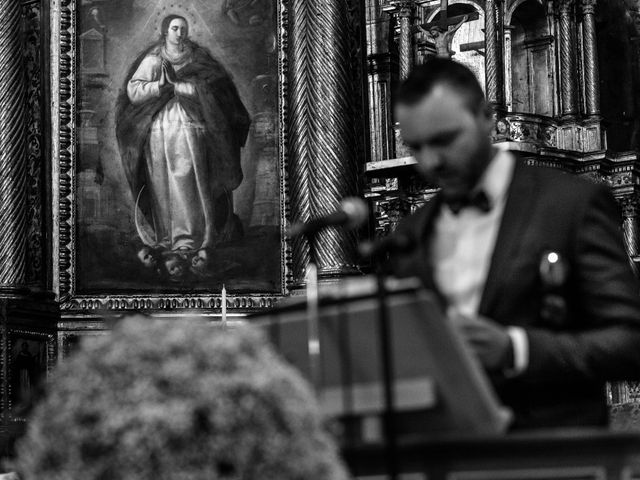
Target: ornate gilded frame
(64, 131)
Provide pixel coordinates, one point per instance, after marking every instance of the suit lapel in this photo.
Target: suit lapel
(514, 220)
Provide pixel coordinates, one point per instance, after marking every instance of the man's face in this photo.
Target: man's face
(450, 143)
(177, 31)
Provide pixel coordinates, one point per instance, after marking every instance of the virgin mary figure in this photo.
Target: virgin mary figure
(180, 125)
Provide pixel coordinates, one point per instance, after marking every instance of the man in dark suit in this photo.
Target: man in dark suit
(529, 262)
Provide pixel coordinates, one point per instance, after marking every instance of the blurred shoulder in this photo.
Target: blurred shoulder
(562, 184)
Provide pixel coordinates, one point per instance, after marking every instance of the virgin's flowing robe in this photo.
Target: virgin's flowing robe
(180, 148)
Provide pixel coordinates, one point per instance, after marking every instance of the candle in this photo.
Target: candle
(224, 305)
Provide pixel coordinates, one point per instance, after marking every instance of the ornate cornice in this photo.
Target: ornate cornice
(588, 7)
(630, 204)
(565, 7)
(401, 8)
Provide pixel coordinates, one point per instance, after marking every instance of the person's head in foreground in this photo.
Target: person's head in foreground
(177, 400)
(446, 122)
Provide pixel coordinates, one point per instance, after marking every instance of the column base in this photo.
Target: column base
(13, 291)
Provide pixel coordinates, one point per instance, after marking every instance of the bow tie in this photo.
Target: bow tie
(476, 199)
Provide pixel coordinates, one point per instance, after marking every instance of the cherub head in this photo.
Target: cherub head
(175, 265)
(200, 262)
(147, 257)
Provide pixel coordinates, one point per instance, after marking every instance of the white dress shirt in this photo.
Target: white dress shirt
(462, 246)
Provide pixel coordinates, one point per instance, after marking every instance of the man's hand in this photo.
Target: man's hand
(490, 341)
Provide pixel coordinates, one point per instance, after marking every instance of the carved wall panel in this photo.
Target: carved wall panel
(35, 141)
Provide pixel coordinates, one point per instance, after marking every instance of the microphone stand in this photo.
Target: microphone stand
(390, 440)
(313, 313)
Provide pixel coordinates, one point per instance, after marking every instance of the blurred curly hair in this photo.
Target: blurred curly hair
(178, 400)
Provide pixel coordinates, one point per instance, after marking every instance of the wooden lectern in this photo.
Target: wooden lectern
(413, 403)
(437, 386)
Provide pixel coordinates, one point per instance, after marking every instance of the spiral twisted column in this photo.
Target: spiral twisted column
(508, 80)
(405, 15)
(591, 72)
(403, 11)
(630, 204)
(333, 167)
(494, 76)
(302, 82)
(567, 52)
(631, 227)
(13, 180)
(322, 153)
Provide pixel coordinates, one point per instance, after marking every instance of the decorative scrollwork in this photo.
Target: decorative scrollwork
(62, 115)
(175, 302)
(33, 75)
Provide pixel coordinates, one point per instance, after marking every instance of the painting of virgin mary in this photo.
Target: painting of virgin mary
(180, 126)
(179, 161)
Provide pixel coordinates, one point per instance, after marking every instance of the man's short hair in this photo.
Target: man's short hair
(441, 71)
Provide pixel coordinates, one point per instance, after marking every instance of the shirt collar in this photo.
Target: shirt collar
(497, 177)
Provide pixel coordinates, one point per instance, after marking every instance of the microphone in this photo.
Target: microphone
(352, 213)
(394, 243)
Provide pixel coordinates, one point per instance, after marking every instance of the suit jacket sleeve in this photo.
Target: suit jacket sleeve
(601, 341)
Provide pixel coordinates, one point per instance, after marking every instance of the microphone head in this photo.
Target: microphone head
(356, 211)
(352, 213)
